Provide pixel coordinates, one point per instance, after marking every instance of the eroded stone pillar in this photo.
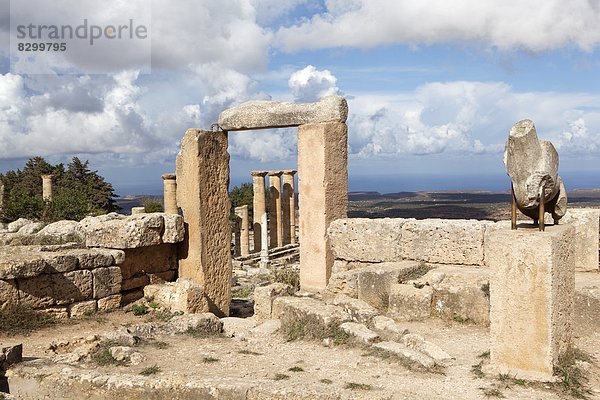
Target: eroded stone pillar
(532, 291)
(202, 195)
(242, 213)
(1, 195)
(275, 222)
(288, 206)
(259, 206)
(323, 188)
(47, 187)
(170, 193)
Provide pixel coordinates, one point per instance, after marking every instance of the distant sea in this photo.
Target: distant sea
(408, 183)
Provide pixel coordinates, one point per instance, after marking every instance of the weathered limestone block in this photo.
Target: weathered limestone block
(532, 300)
(263, 299)
(359, 310)
(202, 195)
(109, 303)
(138, 210)
(20, 262)
(56, 289)
(460, 293)
(344, 283)
(122, 232)
(97, 258)
(586, 224)
(65, 230)
(409, 355)
(364, 239)
(532, 163)
(322, 164)
(184, 295)
(417, 342)
(14, 226)
(360, 332)
(153, 259)
(260, 114)
(409, 303)
(82, 308)
(444, 241)
(389, 328)
(174, 228)
(316, 319)
(107, 281)
(31, 228)
(374, 282)
(8, 292)
(205, 322)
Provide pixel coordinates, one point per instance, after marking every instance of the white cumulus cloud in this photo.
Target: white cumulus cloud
(505, 24)
(310, 84)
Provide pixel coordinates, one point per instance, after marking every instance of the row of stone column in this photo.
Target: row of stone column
(282, 204)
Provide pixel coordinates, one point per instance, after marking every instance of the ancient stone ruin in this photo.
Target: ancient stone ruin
(435, 295)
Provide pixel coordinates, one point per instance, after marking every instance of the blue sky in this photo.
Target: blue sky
(433, 86)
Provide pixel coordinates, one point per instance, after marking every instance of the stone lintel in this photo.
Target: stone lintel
(263, 114)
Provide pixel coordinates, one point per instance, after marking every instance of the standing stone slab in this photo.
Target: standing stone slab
(532, 287)
(444, 241)
(8, 292)
(202, 195)
(260, 114)
(323, 188)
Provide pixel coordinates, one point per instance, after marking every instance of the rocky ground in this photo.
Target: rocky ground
(159, 356)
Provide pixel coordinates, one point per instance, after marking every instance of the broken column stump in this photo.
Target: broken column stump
(532, 287)
(202, 195)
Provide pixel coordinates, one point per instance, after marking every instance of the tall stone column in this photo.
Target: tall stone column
(47, 187)
(323, 188)
(236, 228)
(242, 213)
(202, 195)
(288, 206)
(275, 222)
(170, 193)
(260, 209)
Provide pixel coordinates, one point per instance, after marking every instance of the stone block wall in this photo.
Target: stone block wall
(433, 267)
(106, 262)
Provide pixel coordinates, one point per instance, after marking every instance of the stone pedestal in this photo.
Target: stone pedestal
(532, 286)
(47, 187)
(275, 222)
(202, 195)
(170, 193)
(242, 213)
(258, 185)
(323, 188)
(288, 207)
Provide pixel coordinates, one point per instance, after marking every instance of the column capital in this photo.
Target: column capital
(169, 176)
(289, 171)
(47, 176)
(259, 173)
(275, 173)
(240, 208)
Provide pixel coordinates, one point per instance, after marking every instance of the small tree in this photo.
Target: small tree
(240, 196)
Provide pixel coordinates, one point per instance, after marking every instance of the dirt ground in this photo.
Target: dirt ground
(344, 371)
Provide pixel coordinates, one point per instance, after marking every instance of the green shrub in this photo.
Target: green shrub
(152, 205)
